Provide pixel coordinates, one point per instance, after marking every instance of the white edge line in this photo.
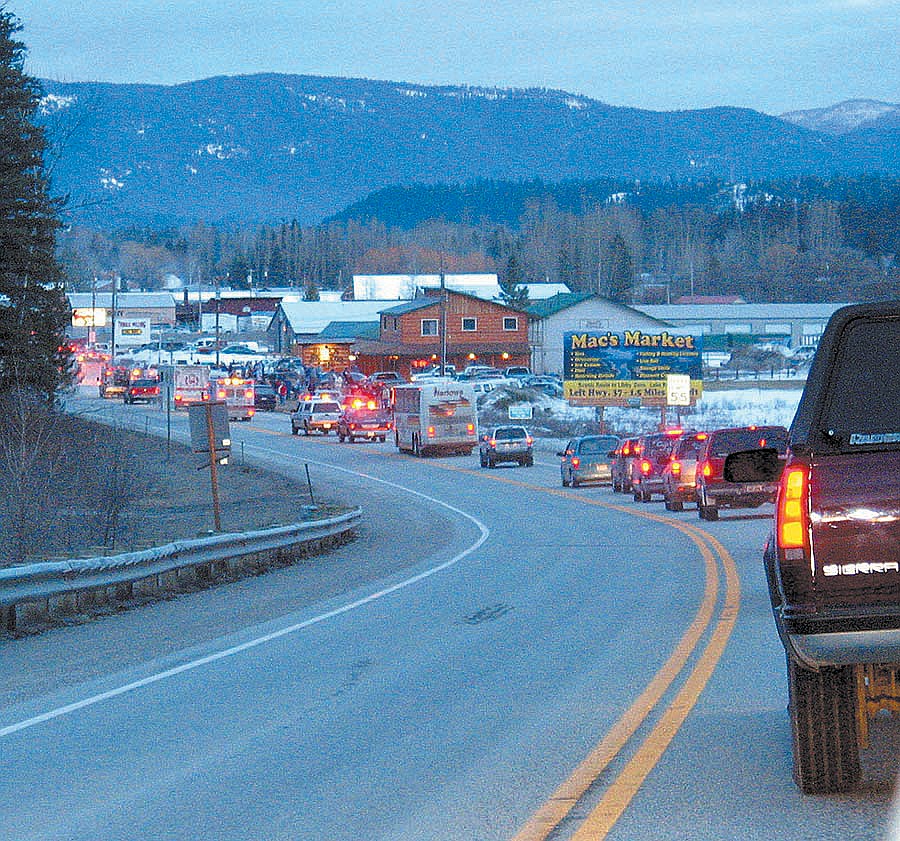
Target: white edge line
(237, 649)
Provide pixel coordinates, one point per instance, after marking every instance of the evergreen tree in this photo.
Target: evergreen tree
(511, 293)
(33, 306)
(311, 292)
(621, 271)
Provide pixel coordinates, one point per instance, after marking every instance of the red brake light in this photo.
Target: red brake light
(707, 469)
(626, 450)
(430, 432)
(676, 467)
(493, 443)
(470, 428)
(576, 462)
(792, 516)
(222, 394)
(646, 467)
(529, 440)
(249, 394)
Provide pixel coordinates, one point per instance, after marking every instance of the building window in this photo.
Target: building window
(510, 323)
(469, 325)
(429, 326)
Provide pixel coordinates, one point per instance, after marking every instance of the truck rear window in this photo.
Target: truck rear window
(863, 407)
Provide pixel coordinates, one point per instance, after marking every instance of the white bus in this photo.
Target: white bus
(433, 417)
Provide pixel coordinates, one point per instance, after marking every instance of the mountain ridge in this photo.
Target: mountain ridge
(276, 147)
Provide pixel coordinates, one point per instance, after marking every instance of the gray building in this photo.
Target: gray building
(800, 324)
(550, 319)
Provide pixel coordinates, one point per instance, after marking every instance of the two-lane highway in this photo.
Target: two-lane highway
(495, 657)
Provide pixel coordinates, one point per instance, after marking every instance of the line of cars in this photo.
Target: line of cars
(687, 466)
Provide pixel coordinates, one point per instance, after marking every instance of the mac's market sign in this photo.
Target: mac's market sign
(632, 368)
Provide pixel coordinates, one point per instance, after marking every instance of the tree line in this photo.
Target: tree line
(806, 240)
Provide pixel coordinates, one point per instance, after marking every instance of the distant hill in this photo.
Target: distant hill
(268, 148)
(845, 117)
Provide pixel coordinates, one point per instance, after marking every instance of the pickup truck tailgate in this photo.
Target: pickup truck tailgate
(855, 522)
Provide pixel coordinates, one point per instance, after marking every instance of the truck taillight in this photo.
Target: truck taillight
(676, 468)
(249, 394)
(430, 432)
(470, 428)
(529, 440)
(221, 394)
(706, 470)
(646, 467)
(792, 516)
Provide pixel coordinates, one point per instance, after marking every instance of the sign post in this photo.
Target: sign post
(210, 434)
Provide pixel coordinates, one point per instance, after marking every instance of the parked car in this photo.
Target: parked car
(520, 373)
(387, 378)
(587, 459)
(713, 491)
(620, 465)
(365, 420)
(647, 467)
(315, 415)
(264, 397)
(680, 474)
(142, 390)
(506, 443)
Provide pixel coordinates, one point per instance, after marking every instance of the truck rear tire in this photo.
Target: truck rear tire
(823, 728)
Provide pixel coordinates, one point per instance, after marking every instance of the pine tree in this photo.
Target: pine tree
(33, 307)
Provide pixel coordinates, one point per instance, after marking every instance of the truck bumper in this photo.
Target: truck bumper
(847, 648)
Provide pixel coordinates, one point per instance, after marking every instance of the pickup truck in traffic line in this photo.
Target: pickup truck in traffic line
(833, 560)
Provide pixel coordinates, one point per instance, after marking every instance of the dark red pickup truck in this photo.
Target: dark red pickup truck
(833, 560)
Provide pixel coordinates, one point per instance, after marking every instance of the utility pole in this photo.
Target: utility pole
(218, 298)
(112, 346)
(443, 321)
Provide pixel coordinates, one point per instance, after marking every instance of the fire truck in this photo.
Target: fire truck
(238, 394)
(114, 380)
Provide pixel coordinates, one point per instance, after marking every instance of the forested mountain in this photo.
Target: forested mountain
(794, 240)
(267, 148)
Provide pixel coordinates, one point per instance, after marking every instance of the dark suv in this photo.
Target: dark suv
(506, 443)
(714, 491)
(653, 454)
(620, 465)
(833, 559)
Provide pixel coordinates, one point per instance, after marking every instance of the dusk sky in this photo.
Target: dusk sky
(770, 55)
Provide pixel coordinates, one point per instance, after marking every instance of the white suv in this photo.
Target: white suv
(315, 415)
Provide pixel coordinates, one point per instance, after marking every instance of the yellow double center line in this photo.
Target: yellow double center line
(628, 781)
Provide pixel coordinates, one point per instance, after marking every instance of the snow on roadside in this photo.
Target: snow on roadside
(735, 407)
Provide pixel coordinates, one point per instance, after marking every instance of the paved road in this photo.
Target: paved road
(444, 677)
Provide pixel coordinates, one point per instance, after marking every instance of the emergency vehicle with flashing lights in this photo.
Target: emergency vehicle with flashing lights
(363, 417)
(238, 395)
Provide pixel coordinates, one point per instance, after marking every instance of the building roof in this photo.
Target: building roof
(540, 291)
(348, 331)
(311, 317)
(404, 286)
(738, 312)
(412, 306)
(124, 300)
(557, 303)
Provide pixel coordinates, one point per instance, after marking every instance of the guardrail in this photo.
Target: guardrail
(41, 591)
